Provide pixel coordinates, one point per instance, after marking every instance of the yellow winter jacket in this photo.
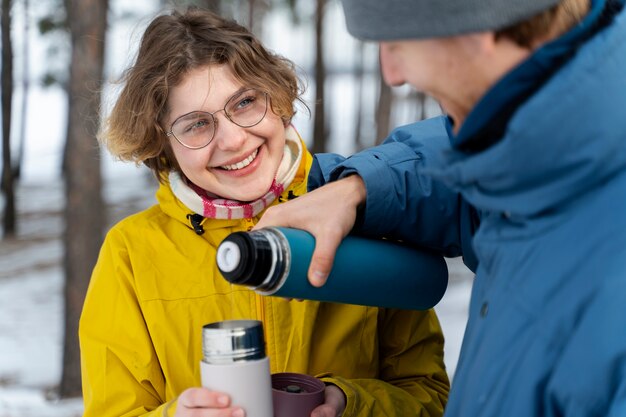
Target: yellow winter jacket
(156, 284)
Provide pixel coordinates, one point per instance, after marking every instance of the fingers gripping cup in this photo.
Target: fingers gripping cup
(234, 362)
(296, 395)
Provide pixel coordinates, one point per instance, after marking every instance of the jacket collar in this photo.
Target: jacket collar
(562, 141)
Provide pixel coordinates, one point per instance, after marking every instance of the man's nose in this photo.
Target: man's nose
(388, 66)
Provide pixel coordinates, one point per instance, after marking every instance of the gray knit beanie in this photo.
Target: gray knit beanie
(381, 20)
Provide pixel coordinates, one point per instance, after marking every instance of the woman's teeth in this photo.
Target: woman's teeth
(241, 164)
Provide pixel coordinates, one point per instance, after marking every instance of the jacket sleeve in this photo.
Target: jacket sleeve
(120, 371)
(403, 201)
(413, 380)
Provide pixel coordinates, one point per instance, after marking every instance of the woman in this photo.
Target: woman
(207, 108)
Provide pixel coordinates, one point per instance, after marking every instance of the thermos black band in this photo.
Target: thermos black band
(254, 260)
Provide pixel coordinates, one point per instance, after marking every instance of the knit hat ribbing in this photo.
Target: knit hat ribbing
(383, 20)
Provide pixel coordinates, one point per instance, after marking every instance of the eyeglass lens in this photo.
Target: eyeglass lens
(196, 129)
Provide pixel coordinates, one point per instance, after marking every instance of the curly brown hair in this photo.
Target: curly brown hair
(172, 45)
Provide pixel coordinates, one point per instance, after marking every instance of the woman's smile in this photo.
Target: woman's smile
(243, 163)
(244, 167)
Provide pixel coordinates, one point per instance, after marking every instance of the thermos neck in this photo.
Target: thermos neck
(254, 259)
(231, 341)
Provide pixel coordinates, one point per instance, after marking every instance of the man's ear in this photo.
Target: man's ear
(481, 43)
(498, 54)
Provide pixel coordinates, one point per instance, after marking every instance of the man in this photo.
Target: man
(525, 178)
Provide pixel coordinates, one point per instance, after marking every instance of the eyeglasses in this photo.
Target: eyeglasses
(196, 130)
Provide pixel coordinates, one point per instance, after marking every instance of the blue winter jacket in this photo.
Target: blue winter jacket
(532, 192)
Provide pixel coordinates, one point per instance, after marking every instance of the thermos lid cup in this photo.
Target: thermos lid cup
(296, 395)
(233, 340)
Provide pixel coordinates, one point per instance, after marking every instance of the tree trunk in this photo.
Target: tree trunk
(257, 9)
(84, 213)
(251, 21)
(421, 97)
(383, 111)
(17, 170)
(359, 76)
(319, 121)
(6, 77)
(213, 5)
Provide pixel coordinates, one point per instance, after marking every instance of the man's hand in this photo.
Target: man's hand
(328, 213)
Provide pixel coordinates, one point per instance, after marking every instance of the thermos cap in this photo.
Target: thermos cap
(228, 256)
(233, 340)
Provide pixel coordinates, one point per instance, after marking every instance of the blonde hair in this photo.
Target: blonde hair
(171, 46)
(547, 24)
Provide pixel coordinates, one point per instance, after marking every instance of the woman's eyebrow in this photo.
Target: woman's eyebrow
(189, 115)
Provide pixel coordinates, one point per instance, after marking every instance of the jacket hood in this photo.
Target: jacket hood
(566, 139)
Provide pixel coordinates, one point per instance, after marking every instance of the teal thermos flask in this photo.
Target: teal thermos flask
(275, 261)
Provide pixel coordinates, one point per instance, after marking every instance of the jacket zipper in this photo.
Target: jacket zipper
(260, 303)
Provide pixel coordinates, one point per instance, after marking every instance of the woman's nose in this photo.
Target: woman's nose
(228, 135)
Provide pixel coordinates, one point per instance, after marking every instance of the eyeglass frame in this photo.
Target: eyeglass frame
(170, 133)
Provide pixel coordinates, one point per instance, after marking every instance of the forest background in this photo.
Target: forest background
(60, 193)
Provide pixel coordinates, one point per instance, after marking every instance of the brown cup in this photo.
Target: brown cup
(296, 395)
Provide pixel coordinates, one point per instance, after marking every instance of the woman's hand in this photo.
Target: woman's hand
(201, 402)
(334, 403)
(328, 213)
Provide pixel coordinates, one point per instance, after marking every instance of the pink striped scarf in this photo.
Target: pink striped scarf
(200, 202)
